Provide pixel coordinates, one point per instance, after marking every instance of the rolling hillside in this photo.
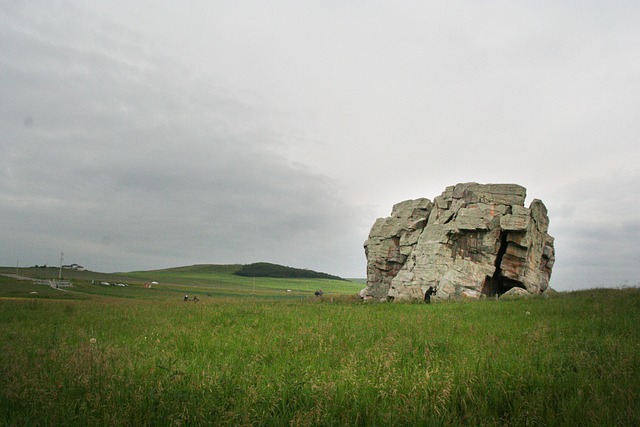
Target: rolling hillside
(203, 280)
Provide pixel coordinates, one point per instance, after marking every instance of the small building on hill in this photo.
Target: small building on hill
(74, 267)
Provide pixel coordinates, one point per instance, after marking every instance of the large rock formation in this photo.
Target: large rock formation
(472, 240)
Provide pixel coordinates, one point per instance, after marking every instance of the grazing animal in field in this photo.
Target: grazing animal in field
(427, 295)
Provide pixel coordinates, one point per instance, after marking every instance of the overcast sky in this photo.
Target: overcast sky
(152, 134)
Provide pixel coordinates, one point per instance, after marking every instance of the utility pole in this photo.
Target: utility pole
(17, 262)
(60, 271)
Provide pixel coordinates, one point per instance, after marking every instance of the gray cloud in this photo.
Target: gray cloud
(125, 166)
(137, 136)
(597, 229)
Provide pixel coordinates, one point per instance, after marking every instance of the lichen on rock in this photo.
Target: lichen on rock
(472, 240)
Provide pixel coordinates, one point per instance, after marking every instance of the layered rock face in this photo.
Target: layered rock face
(472, 240)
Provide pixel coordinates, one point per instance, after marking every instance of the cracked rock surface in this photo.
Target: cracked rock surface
(472, 240)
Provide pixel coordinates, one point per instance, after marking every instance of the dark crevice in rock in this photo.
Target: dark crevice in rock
(498, 284)
(501, 251)
(488, 288)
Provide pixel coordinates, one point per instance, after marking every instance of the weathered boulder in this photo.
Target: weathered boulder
(515, 293)
(472, 240)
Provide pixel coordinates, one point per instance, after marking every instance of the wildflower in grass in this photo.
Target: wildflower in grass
(93, 340)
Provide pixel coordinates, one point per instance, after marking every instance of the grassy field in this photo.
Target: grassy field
(204, 281)
(125, 358)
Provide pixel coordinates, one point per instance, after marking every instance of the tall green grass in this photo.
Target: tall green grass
(567, 360)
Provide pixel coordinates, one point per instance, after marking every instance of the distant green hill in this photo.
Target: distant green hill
(200, 269)
(265, 269)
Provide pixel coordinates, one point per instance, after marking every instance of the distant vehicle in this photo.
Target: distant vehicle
(105, 283)
(121, 284)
